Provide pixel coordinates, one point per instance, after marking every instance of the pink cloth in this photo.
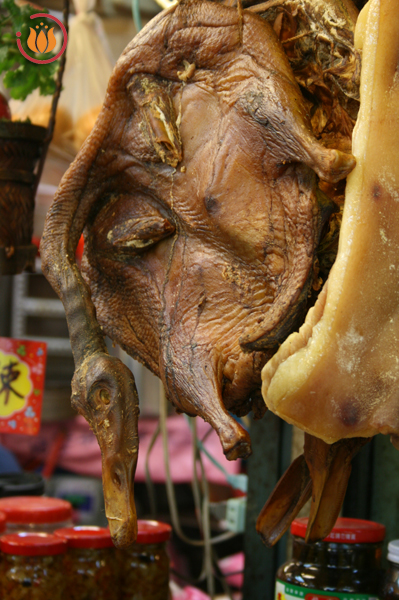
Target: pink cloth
(80, 452)
(233, 564)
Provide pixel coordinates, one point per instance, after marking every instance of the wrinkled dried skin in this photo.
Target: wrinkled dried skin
(338, 377)
(212, 260)
(318, 39)
(198, 194)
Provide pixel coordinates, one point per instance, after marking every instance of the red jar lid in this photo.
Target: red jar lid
(35, 509)
(32, 544)
(152, 532)
(346, 531)
(2, 522)
(85, 537)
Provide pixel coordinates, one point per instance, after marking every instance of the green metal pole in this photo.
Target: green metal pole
(271, 445)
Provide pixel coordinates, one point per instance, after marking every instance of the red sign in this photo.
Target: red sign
(22, 371)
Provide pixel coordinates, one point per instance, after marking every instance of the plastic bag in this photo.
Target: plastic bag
(88, 68)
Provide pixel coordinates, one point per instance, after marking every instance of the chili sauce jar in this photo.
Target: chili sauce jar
(35, 513)
(145, 565)
(31, 567)
(90, 564)
(390, 585)
(345, 565)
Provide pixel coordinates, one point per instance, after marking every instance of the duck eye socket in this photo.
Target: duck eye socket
(130, 224)
(140, 233)
(105, 397)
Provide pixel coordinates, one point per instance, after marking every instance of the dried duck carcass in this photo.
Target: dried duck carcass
(198, 194)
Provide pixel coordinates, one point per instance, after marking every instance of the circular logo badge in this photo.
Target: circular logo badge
(41, 40)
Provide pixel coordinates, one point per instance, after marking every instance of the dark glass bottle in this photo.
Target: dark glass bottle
(347, 564)
(390, 585)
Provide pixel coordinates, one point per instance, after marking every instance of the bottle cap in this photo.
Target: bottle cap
(152, 532)
(35, 509)
(85, 536)
(32, 544)
(393, 551)
(346, 531)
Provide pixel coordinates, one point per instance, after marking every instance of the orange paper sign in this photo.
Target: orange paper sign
(22, 370)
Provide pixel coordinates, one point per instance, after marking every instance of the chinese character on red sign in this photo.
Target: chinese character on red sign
(22, 370)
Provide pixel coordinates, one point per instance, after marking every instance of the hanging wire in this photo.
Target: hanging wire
(170, 488)
(148, 481)
(210, 570)
(220, 576)
(206, 571)
(136, 15)
(237, 481)
(195, 484)
(210, 556)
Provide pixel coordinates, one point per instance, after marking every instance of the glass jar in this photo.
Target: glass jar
(345, 565)
(145, 565)
(31, 566)
(35, 513)
(21, 484)
(90, 564)
(390, 585)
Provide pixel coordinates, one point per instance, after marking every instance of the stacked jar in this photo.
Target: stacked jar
(390, 586)
(144, 567)
(3, 523)
(345, 565)
(35, 513)
(31, 567)
(90, 564)
(21, 484)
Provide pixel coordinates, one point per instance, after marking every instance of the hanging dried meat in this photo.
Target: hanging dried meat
(337, 378)
(198, 195)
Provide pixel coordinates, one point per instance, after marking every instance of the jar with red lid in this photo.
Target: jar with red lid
(90, 564)
(346, 565)
(390, 586)
(35, 513)
(145, 565)
(31, 567)
(3, 522)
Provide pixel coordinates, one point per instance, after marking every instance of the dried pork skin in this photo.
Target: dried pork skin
(338, 376)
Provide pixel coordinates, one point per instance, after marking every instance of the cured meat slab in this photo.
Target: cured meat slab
(338, 376)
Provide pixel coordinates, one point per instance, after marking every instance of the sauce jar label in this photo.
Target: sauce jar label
(288, 591)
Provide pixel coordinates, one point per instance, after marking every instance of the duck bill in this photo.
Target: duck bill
(120, 509)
